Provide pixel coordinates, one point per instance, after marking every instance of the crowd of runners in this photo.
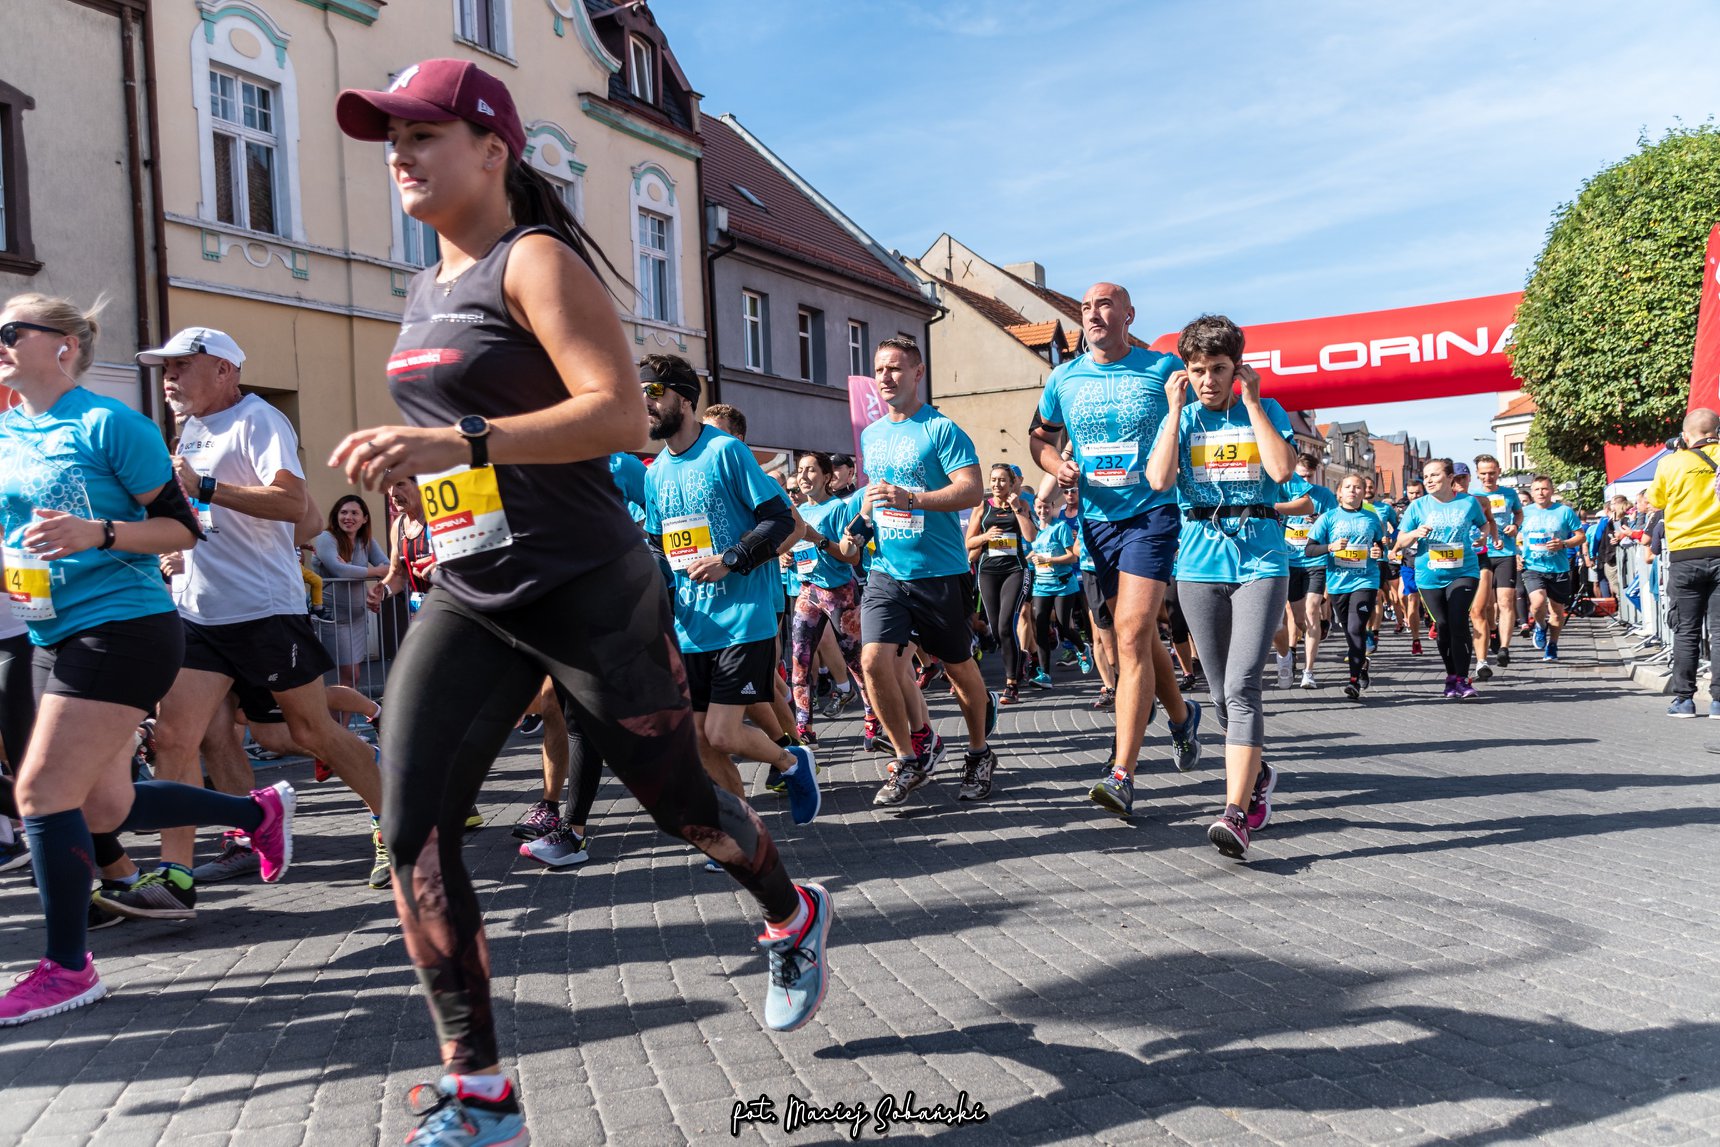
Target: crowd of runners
(675, 620)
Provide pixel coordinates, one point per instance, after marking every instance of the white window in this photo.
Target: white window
(807, 321)
(655, 236)
(1518, 458)
(550, 149)
(641, 74)
(484, 23)
(246, 145)
(752, 329)
(857, 340)
(418, 244)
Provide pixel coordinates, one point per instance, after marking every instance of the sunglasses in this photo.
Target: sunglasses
(9, 332)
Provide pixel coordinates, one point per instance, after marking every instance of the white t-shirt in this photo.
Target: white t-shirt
(245, 568)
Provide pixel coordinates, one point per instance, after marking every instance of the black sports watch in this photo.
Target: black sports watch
(475, 429)
(206, 490)
(734, 558)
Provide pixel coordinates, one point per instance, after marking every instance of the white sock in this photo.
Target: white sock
(491, 1087)
(845, 686)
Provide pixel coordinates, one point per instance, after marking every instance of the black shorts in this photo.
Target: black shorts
(268, 655)
(738, 675)
(1504, 572)
(1557, 586)
(131, 662)
(930, 612)
(258, 705)
(1306, 581)
(1096, 607)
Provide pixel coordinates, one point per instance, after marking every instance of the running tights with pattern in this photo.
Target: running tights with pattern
(816, 606)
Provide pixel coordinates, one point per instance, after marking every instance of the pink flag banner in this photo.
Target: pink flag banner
(864, 408)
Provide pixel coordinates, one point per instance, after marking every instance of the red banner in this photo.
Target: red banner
(865, 407)
(1431, 351)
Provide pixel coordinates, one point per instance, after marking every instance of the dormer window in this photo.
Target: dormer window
(641, 69)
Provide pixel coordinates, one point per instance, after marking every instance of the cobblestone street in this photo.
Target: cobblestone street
(1467, 923)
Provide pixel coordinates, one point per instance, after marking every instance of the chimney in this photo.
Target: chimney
(1032, 272)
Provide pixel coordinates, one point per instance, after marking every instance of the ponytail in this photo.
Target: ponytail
(534, 203)
(65, 315)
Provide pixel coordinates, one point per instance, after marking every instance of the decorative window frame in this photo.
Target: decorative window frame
(17, 248)
(646, 177)
(503, 51)
(639, 48)
(211, 46)
(550, 149)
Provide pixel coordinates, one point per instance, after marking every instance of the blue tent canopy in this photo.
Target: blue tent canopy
(1643, 472)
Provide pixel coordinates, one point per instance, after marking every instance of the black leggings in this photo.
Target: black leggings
(461, 681)
(1448, 608)
(1043, 608)
(1000, 594)
(1354, 610)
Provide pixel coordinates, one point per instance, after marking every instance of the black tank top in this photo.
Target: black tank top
(412, 552)
(1002, 560)
(460, 352)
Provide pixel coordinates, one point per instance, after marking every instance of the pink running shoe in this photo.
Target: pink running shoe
(273, 839)
(48, 990)
(1229, 833)
(1260, 807)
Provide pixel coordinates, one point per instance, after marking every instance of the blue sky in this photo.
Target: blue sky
(1269, 161)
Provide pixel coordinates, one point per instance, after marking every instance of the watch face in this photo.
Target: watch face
(474, 425)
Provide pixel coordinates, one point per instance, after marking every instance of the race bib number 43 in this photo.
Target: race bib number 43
(28, 586)
(1228, 455)
(686, 539)
(1113, 464)
(463, 509)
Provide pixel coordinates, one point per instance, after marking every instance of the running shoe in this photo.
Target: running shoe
(992, 700)
(543, 819)
(562, 848)
(840, 701)
(1504, 657)
(804, 735)
(872, 732)
(929, 674)
(1451, 685)
(1185, 682)
(904, 779)
(1484, 671)
(929, 747)
(775, 782)
(1084, 658)
(14, 855)
(1066, 655)
(825, 684)
(1115, 792)
(1714, 710)
(1550, 652)
(1105, 700)
(96, 917)
(1354, 689)
(474, 819)
(531, 725)
(464, 1120)
(237, 858)
(797, 972)
(1364, 679)
(1464, 690)
(273, 839)
(1185, 745)
(804, 800)
(48, 989)
(381, 867)
(1681, 707)
(1229, 833)
(1040, 679)
(1373, 642)
(320, 771)
(1539, 636)
(1308, 681)
(152, 897)
(1011, 695)
(713, 866)
(1286, 670)
(1260, 804)
(977, 769)
(1415, 647)
(257, 753)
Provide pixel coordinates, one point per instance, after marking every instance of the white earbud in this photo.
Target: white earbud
(64, 347)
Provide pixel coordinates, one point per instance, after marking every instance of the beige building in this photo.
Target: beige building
(288, 235)
(1511, 432)
(77, 206)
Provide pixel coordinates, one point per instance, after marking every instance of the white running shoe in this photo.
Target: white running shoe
(1286, 670)
(1308, 681)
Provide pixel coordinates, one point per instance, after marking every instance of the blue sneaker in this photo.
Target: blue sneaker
(1115, 792)
(1539, 636)
(1550, 652)
(1040, 679)
(797, 973)
(1373, 643)
(1714, 710)
(456, 1120)
(804, 800)
(1185, 749)
(1084, 658)
(991, 701)
(1681, 707)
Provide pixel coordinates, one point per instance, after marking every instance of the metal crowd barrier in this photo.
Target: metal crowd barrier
(344, 610)
(1648, 618)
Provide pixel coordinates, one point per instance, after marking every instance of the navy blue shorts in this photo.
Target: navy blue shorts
(1145, 546)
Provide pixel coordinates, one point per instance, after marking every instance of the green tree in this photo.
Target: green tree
(1607, 326)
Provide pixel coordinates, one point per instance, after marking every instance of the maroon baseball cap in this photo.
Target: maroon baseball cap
(434, 91)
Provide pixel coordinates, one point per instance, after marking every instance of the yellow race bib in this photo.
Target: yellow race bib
(463, 510)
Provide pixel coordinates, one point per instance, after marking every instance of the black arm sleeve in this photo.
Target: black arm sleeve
(170, 503)
(759, 544)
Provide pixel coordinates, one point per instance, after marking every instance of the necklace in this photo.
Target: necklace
(449, 284)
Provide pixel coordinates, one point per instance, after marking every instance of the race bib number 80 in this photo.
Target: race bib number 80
(464, 512)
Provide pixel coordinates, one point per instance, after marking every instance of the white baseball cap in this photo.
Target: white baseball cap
(195, 340)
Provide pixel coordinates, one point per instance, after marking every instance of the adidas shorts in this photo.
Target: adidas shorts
(738, 675)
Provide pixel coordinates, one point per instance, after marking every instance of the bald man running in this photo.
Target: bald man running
(1111, 401)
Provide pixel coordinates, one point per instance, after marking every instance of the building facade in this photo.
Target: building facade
(1349, 450)
(799, 294)
(290, 236)
(78, 211)
(1398, 459)
(1511, 428)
